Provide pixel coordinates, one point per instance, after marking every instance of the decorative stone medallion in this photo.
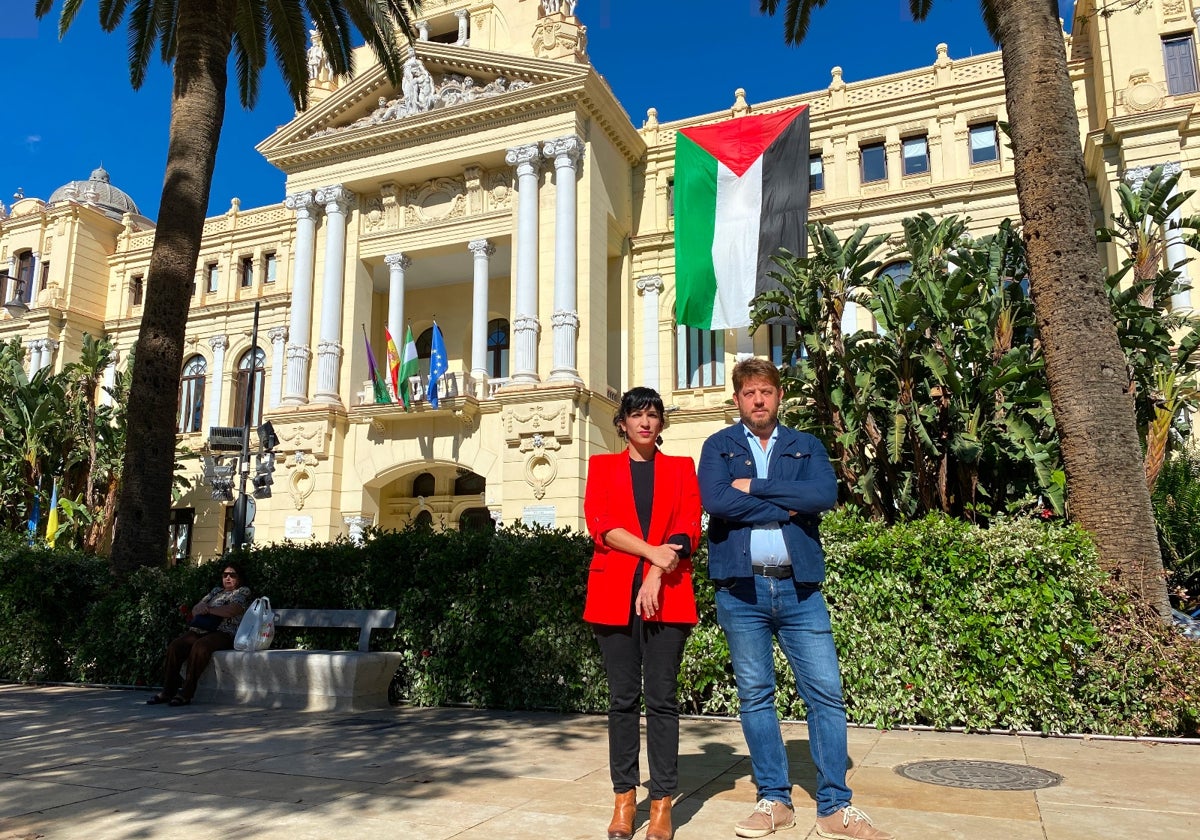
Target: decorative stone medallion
(979, 775)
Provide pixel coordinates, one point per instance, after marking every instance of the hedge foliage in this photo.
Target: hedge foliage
(937, 622)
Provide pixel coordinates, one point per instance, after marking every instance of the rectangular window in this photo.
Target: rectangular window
(670, 197)
(45, 281)
(816, 173)
(24, 289)
(781, 338)
(181, 533)
(874, 163)
(247, 271)
(700, 357)
(4, 297)
(985, 145)
(212, 277)
(1179, 56)
(915, 151)
(270, 265)
(137, 287)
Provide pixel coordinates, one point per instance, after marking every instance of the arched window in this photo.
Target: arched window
(23, 290)
(191, 395)
(899, 271)
(469, 484)
(424, 344)
(497, 348)
(476, 519)
(423, 485)
(240, 387)
(424, 519)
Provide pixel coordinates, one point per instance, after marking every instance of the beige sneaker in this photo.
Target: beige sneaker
(850, 824)
(768, 817)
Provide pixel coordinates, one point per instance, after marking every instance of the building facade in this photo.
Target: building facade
(502, 193)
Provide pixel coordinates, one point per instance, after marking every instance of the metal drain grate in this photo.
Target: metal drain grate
(979, 775)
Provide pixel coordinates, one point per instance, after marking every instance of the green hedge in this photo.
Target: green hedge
(937, 622)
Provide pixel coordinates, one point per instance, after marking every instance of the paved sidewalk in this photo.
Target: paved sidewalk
(98, 764)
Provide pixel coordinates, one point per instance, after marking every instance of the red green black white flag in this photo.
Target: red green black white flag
(741, 194)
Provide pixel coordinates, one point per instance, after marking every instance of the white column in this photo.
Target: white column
(299, 353)
(356, 527)
(336, 200)
(35, 356)
(463, 16)
(849, 318)
(565, 152)
(397, 264)
(46, 354)
(110, 376)
(218, 343)
(481, 249)
(1176, 251)
(649, 288)
(525, 324)
(278, 336)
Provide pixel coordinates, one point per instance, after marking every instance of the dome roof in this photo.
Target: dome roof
(97, 190)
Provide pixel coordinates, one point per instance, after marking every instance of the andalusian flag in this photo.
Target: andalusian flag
(393, 362)
(741, 194)
(408, 369)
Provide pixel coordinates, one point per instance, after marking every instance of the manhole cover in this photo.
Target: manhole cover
(979, 775)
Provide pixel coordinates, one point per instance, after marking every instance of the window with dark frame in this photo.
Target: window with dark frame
(874, 162)
(4, 298)
(191, 395)
(1179, 59)
(241, 386)
(247, 271)
(670, 197)
(700, 357)
(497, 348)
(423, 486)
(182, 520)
(137, 287)
(212, 277)
(816, 173)
(914, 154)
(270, 266)
(24, 288)
(984, 143)
(779, 338)
(45, 281)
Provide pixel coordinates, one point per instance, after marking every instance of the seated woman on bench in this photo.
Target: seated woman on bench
(213, 623)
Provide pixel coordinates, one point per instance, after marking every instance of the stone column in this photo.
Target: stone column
(649, 288)
(46, 360)
(356, 526)
(463, 17)
(278, 336)
(481, 249)
(525, 325)
(336, 201)
(110, 377)
(299, 353)
(565, 152)
(397, 264)
(218, 343)
(35, 356)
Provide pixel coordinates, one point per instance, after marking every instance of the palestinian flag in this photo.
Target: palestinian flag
(741, 194)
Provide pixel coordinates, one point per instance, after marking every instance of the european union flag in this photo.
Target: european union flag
(437, 364)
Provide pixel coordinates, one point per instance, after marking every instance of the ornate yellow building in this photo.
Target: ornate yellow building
(502, 192)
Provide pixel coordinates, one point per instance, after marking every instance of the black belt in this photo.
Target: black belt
(772, 571)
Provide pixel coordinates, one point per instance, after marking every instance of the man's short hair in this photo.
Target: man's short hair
(755, 368)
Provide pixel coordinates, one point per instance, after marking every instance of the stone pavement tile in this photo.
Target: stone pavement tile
(443, 811)
(879, 787)
(569, 822)
(505, 792)
(152, 814)
(361, 765)
(110, 778)
(894, 748)
(1083, 748)
(1086, 822)
(913, 823)
(22, 796)
(1107, 781)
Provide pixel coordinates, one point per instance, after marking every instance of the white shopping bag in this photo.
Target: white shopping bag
(257, 627)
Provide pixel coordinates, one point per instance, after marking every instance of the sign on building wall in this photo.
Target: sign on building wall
(298, 528)
(543, 515)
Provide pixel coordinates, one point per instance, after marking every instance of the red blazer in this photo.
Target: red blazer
(607, 504)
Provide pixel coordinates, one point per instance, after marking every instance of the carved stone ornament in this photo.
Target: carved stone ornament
(1172, 9)
(522, 424)
(302, 437)
(301, 482)
(1141, 94)
(441, 198)
(421, 93)
(541, 464)
(560, 36)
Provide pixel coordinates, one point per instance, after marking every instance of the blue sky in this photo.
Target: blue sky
(70, 107)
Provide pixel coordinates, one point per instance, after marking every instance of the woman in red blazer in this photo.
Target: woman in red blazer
(643, 512)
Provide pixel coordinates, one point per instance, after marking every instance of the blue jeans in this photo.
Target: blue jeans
(752, 611)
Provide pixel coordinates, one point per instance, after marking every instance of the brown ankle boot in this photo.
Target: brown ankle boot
(624, 807)
(660, 820)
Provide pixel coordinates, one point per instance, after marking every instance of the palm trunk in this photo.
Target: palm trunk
(197, 112)
(1085, 367)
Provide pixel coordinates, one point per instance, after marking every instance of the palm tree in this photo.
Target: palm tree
(197, 37)
(1085, 367)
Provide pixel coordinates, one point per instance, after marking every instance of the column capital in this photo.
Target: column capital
(526, 323)
(524, 158)
(298, 353)
(219, 343)
(335, 198)
(51, 344)
(565, 318)
(564, 151)
(303, 203)
(481, 248)
(398, 260)
(650, 284)
(277, 335)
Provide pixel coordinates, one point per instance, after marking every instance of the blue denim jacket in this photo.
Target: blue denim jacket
(800, 479)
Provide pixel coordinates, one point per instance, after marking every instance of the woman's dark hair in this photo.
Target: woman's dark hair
(237, 567)
(638, 399)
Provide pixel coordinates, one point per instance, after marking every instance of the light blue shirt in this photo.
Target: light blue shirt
(766, 541)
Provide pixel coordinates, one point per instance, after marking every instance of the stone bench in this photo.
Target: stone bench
(312, 680)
